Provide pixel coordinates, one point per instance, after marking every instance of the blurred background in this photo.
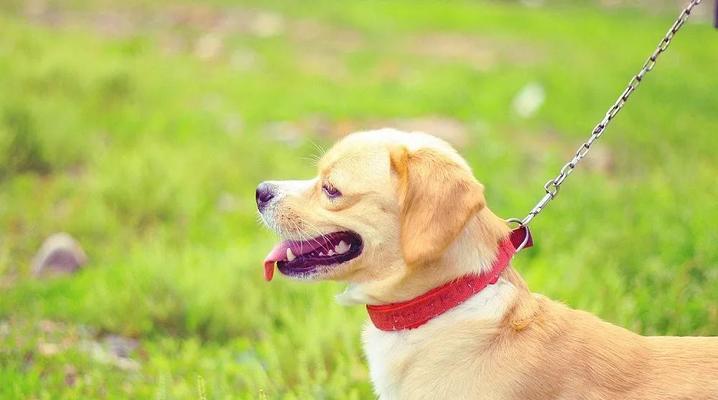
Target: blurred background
(133, 134)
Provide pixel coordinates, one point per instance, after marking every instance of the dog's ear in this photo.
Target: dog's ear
(437, 198)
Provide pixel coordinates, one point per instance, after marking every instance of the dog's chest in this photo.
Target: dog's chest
(385, 353)
(396, 358)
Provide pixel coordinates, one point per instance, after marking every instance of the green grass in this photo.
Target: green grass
(149, 155)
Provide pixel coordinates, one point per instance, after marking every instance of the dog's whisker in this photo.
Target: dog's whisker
(321, 236)
(319, 151)
(314, 158)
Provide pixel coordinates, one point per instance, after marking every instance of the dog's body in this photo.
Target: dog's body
(417, 219)
(535, 349)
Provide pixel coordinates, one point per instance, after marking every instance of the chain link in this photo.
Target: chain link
(553, 185)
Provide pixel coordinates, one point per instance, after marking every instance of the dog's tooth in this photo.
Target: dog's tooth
(330, 253)
(290, 255)
(342, 247)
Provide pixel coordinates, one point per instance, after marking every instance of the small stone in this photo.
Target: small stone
(113, 350)
(48, 349)
(70, 375)
(119, 346)
(60, 254)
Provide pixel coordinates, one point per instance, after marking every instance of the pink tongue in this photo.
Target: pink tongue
(278, 253)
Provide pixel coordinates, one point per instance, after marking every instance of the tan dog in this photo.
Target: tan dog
(397, 214)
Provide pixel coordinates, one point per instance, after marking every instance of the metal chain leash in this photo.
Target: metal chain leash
(552, 186)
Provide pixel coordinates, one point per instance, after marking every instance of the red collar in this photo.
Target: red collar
(420, 310)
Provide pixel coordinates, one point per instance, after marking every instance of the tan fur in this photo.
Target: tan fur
(424, 221)
(437, 197)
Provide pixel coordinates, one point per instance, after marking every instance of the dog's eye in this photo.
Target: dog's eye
(330, 191)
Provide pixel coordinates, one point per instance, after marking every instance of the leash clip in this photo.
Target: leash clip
(521, 235)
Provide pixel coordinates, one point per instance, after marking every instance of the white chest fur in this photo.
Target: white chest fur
(390, 353)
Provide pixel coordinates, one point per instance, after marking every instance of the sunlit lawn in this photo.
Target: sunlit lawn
(143, 128)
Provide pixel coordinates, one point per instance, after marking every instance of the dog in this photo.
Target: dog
(400, 217)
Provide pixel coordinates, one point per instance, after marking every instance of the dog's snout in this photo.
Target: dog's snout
(265, 194)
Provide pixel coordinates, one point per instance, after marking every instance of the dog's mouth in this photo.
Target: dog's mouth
(305, 258)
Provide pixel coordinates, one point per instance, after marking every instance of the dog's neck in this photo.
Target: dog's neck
(473, 252)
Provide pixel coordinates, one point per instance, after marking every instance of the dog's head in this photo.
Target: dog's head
(384, 204)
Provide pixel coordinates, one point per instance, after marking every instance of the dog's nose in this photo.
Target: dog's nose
(265, 194)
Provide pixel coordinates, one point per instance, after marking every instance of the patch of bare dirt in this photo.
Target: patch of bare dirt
(294, 132)
(203, 30)
(449, 129)
(481, 53)
(111, 23)
(329, 37)
(601, 158)
(48, 339)
(533, 145)
(653, 6)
